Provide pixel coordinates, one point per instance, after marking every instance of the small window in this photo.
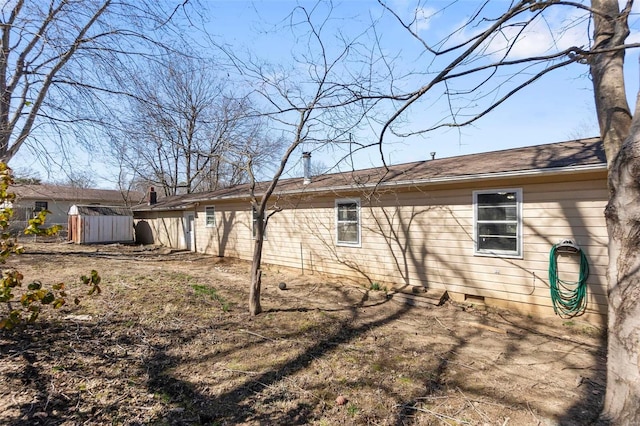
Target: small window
(348, 222)
(498, 222)
(40, 206)
(210, 216)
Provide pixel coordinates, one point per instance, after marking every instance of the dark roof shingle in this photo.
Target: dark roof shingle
(579, 153)
(72, 194)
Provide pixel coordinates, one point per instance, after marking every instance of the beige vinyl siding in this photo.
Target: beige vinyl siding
(424, 237)
(231, 235)
(166, 227)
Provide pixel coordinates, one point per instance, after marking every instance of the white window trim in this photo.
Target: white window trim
(210, 211)
(346, 243)
(518, 254)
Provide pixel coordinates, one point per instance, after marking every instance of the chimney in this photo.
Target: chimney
(433, 155)
(153, 196)
(306, 162)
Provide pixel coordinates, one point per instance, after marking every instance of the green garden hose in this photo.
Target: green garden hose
(569, 298)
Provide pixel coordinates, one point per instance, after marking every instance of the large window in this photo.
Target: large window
(498, 222)
(348, 222)
(210, 216)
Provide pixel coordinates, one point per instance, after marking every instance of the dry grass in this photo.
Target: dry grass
(170, 342)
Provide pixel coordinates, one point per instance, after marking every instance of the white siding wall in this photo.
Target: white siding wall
(106, 229)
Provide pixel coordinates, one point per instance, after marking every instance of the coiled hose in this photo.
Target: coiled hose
(569, 297)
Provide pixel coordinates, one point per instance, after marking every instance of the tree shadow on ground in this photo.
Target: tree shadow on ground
(234, 406)
(144, 362)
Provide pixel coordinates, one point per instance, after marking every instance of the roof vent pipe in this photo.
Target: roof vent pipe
(433, 155)
(306, 162)
(153, 196)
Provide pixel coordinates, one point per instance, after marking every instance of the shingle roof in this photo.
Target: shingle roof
(67, 193)
(174, 202)
(571, 155)
(100, 210)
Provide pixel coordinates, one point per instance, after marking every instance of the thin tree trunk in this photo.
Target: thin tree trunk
(256, 271)
(254, 294)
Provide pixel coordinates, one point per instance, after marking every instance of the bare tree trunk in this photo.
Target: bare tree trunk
(256, 271)
(623, 225)
(614, 116)
(256, 282)
(621, 137)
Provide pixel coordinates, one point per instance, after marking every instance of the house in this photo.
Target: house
(58, 199)
(479, 226)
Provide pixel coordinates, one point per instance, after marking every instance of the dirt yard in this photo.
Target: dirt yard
(170, 342)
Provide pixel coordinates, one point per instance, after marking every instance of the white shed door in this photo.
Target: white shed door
(188, 231)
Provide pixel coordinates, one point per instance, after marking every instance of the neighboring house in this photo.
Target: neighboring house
(30, 199)
(479, 226)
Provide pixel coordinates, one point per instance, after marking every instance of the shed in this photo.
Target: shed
(100, 224)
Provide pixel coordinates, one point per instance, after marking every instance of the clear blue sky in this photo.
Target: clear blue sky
(558, 107)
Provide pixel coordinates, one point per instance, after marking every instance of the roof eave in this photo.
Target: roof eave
(457, 179)
(155, 208)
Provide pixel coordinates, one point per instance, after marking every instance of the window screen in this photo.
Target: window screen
(498, 222)
(348, 222)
